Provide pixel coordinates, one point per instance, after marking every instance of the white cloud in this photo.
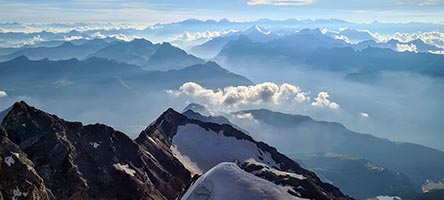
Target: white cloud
(434, 37)
(187, 36)
(323, 101)
(365, 115)
(121, 37)
(406, 47)
(280, 2)
(98, 35)
(439, 52)
(115, 36)
(264, 93)
(245, 116)
(71, 38)
(3, 94)
(34, 40)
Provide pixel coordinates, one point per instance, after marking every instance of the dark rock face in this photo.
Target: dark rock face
(165, 128)
(18, 178)
(90, 162)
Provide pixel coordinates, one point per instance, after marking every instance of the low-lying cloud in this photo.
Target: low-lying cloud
(435, 38)
(266, 93)
(3, 94)
(406, 47)
(364, 115)
(207, 35)
(322, 100)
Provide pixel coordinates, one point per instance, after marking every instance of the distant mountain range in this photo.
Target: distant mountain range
(17, 34)
(333, 151)
(314, 50)
(139, 52)
(418, 162)
(173, 158)
(22, 76)
(148, 55)
(66, 50)
(293, 48)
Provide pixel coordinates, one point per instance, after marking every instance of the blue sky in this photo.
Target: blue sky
(153, 11)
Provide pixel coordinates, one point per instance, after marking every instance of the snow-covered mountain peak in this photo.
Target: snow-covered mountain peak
(257, 29)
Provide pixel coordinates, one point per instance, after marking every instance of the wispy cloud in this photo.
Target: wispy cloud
(280, 2)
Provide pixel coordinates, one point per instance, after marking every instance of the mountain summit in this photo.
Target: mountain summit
(69, 160)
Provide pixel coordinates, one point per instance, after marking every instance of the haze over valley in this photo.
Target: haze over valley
(179, 100)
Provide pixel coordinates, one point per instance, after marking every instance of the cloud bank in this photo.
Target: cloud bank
(266, 93)
(187, 36)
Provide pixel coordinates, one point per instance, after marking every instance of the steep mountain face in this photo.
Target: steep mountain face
(417, 162)
(18, 178)
(90, 162)
(202, 147)
(357, 177)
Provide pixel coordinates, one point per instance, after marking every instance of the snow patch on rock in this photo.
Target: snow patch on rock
(125, 168)
(95, 145)
(9, 160)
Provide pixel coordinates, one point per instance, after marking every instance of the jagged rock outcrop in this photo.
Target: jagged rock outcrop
(90, 162)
